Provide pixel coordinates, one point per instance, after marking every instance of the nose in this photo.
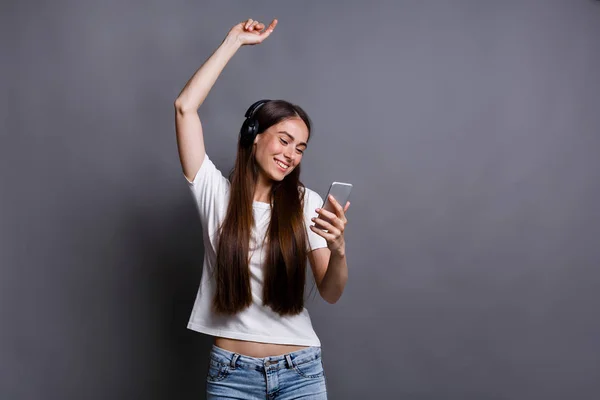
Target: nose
(288, 154)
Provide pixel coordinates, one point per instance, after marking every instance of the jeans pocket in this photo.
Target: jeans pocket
(311, 369)
(216, 371)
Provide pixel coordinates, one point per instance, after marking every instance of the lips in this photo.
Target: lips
(283, 167)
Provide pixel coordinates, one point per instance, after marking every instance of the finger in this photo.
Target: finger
(259, 27)
(322, 224)
(337, 207)
(248, 23)
(339, 222)
(253, 26)
(347, 206)
(326, 214)
(327, 236)
(270, 29)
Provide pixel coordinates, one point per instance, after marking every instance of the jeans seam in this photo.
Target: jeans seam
(317, 376)
(224, 371)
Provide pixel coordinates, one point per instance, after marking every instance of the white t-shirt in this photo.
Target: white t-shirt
(256, 323)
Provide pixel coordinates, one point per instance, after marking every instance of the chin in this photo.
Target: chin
(278, 178)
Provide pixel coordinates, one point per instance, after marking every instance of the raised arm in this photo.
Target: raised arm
(190, 140)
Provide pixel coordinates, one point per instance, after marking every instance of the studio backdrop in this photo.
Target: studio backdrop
(469, 129)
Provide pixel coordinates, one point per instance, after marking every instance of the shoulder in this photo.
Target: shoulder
(309, 193)
(312, 199)
(209, 184)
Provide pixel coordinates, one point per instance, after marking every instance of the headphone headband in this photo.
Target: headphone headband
(254, 107)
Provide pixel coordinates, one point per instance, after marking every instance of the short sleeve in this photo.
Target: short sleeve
(312, 201)
(210, 190)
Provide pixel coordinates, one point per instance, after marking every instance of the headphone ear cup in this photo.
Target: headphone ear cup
(248, 132)
(249, 128)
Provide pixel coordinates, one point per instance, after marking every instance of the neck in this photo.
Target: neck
(262, 190)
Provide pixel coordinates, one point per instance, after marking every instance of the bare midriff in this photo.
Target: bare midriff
(255, 349)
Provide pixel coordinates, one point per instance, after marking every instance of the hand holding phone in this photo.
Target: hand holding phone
(331, 228)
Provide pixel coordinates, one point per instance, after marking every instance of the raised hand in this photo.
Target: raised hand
(334, 224)
(251, 32)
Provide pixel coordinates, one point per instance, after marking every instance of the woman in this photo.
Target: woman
(259, 229)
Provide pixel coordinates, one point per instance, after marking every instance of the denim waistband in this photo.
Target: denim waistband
(288, 360)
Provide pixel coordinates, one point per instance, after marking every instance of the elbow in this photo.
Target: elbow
(332, 293)
(330, 297)
(181, 107)
(178, 104)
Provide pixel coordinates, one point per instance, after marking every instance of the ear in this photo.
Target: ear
(256, 139)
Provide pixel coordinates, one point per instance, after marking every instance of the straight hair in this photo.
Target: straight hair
(285, 240)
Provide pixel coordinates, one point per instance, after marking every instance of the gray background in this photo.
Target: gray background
(470, 130)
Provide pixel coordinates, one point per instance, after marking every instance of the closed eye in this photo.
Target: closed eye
(285, 142)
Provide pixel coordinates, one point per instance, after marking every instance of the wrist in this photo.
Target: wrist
(339, 253)
(231, 42)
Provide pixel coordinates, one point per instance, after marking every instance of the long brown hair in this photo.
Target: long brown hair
(285, 241)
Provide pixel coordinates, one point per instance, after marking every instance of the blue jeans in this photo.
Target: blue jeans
(297, 375)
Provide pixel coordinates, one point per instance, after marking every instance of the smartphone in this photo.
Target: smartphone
(340, 192)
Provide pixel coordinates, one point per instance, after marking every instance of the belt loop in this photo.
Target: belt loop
(234, 360)
(288, 359)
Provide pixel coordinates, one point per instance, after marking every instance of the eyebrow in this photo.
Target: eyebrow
(294, 139)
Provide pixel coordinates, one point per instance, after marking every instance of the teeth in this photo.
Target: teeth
(281, 164)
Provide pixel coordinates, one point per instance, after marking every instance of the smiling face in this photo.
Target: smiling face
(279, 149)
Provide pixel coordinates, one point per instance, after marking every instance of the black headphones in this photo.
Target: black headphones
(249, 128)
